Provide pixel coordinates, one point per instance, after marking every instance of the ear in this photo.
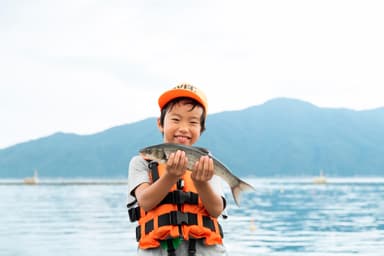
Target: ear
(161, 128)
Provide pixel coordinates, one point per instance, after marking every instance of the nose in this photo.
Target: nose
(183, 127)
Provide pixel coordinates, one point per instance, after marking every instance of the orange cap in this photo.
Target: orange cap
(183, 90)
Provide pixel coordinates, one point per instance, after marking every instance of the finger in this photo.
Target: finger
(182, 159)
(198, 170)
(202, 168)
(173, 159)
(208, 167)
(170, 159)
(211, 166)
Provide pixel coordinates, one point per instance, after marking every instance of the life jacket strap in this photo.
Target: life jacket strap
(180, 197)
(138, 233)
(134, 214)
(176, 218)
(174, 197)
(192, 247)
(152, 165)
(171, 249)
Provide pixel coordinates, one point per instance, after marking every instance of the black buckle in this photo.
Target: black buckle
(180, 197)
(134, 214)
(178, 218)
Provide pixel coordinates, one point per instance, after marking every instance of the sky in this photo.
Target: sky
(82, 66)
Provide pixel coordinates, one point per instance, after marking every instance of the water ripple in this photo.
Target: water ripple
(279, 218)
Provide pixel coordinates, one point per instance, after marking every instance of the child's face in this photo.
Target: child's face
(182, 124)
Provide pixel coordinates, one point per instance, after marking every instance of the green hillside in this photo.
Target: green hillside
(283, 137)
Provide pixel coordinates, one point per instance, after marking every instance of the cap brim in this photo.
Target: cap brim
(177, 93)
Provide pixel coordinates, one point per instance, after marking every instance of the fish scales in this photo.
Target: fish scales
(161, 152)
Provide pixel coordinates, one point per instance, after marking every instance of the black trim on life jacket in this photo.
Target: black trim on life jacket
(180, 197)
(178, 218)
(170, 248)
(174, 197)
(153, 167)
(192, 247)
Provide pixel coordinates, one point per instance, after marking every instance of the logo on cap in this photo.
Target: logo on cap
(186, 87)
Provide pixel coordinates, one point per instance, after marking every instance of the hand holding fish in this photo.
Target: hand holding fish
(203, 169)
(177, 163)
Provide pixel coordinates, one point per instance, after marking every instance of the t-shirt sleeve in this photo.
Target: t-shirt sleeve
(217, 184)
(137, 174)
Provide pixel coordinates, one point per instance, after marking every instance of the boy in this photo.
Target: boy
(177, 210)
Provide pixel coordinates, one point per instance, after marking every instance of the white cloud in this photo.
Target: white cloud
(84, 66)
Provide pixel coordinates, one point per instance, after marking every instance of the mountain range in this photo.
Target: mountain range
(282, 137)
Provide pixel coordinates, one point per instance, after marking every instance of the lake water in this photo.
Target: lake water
(282, 217)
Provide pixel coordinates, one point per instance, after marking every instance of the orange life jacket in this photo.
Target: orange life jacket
(180, 214)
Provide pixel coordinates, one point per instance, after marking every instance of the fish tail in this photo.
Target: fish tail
(240, 187)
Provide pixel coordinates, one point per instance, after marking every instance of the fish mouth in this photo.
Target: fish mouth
(146, 156)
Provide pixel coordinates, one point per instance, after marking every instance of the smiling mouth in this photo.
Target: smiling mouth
(182, 139)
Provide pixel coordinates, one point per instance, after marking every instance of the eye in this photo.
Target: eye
(194, 122)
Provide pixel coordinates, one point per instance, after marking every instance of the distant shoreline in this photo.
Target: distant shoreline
(66, 182)
(257, 181)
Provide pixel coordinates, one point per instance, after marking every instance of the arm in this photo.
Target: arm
(203, 172)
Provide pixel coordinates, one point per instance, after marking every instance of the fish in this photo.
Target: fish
(161, 152)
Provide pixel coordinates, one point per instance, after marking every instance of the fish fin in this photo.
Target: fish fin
(206, 151)
(241, 187)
